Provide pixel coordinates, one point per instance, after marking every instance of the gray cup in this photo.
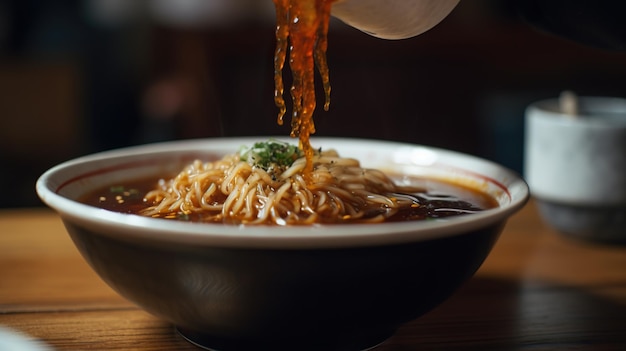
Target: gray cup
(575, 166)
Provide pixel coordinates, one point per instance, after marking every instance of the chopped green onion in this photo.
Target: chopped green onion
(116, 189)
(271, 154)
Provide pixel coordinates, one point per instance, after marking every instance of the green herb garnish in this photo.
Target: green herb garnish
(116, 189)
(272, 155)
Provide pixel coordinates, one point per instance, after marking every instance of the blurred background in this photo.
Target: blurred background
(78, 77)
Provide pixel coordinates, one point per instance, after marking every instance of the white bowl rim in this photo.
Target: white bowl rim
(159, 231)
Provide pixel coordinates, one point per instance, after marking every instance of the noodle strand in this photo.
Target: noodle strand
(234, 191)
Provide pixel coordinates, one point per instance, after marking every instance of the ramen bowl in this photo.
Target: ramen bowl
(307, 287)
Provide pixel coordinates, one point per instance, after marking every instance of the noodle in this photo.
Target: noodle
(231, 190)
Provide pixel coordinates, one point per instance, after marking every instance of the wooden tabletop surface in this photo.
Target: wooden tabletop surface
(538, 290)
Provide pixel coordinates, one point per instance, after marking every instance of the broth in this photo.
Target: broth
(440, 199)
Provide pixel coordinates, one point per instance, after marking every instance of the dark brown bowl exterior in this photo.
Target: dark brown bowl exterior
(286, 299)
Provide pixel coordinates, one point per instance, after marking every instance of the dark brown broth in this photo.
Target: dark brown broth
(442, 199)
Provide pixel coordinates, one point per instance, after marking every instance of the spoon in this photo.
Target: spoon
(568, 103)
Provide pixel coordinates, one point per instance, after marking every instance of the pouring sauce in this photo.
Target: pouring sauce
(301, 29)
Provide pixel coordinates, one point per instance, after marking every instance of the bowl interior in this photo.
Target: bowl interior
(61, 186)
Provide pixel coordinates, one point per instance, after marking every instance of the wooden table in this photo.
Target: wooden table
(537, 291)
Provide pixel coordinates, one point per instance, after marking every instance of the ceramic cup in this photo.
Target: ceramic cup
(575, 165)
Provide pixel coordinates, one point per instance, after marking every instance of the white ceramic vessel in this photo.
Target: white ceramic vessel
(260, 287)
(575, 166)
(393, 19)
